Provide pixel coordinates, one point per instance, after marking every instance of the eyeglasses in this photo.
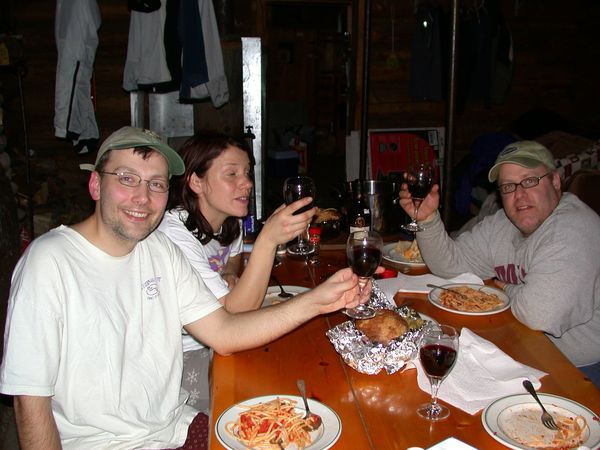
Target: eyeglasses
(526, 183)
(133, 180)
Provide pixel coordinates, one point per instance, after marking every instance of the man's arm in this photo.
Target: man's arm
(35, 423)
(228, 333)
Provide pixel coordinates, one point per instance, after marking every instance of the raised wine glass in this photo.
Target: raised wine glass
(438, 353)
(420, 179)
(363, 250)
(295, 188)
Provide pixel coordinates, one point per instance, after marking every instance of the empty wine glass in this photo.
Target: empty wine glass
(438, 353)
(363, 250)
(295, 188)
(420, 179)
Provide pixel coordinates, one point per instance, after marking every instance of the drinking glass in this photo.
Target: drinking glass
(420, 179)
(295, 188)
(363, 250)
(438, 353)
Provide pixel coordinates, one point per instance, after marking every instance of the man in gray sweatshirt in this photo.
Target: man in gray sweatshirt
(543, 248)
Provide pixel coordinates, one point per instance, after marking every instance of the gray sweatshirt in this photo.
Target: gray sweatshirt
(554, 274)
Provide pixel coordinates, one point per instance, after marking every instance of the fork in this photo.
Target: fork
(547, 419)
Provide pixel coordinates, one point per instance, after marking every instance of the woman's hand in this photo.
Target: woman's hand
(283, 226)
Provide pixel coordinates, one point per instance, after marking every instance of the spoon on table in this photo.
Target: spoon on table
(447, 289)
(313, 421)
(282, 294)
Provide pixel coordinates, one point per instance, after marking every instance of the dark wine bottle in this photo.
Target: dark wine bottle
(359, 214)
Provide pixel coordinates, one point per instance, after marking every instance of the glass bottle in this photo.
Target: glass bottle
(359, 214)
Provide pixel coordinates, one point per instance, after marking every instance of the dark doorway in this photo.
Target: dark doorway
(309, 53)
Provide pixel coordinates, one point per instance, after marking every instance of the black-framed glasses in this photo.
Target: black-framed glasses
(525, 183)
(133, 180)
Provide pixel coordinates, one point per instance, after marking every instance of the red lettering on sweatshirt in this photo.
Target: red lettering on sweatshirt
(510, 273)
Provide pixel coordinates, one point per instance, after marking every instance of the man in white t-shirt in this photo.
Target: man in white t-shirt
(93, 335)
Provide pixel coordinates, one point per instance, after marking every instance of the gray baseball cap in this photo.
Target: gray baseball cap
(528, 154)
(130, 137)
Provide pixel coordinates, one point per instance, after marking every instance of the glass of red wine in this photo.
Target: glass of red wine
(295, 188)
(438, 353)
(363, 250)
(420, 178)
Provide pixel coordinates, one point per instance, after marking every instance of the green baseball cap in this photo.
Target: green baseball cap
(130, 137)
(528, 154)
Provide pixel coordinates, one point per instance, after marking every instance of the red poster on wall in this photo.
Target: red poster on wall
(392, 151)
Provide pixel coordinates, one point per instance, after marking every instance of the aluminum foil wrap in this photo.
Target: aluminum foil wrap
(368, 357)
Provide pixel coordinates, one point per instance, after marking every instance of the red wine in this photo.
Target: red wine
(364, 260)
(292, 196)
(437, 359)
(420, 187)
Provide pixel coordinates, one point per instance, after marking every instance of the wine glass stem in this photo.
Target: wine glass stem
(362, 282)
(417, 204)
(302, 238)
(435, 385)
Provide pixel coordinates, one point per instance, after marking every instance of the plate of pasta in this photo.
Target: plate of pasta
(469, 299)
(275, 422)
(515, 422)
(403, 252)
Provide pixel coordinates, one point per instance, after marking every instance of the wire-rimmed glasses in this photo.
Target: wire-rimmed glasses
(525, 183)
(133, 180)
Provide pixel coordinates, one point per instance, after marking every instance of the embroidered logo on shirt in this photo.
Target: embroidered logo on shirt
(150, 287)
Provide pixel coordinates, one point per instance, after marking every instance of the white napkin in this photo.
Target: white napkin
(418, 283)
(482, 373)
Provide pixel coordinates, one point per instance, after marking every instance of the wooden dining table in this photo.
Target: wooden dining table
(379, 411)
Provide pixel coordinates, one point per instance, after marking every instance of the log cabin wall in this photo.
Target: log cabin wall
(556, 56)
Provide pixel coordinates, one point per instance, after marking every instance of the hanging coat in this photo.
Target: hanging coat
(76, 34)
(148, 53)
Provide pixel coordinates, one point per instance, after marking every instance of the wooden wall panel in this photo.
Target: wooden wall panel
(556, 45)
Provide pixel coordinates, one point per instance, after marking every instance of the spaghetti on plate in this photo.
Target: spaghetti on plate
(271, 425)
(467, 299)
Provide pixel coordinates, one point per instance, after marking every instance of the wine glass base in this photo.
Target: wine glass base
(305, 250)
(433, 412)
(413, 227)
(360, 312)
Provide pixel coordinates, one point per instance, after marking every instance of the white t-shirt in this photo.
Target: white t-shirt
(208, 260)
(101, 335)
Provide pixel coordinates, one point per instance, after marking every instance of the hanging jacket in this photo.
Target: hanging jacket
(76, 34)
(146, 67)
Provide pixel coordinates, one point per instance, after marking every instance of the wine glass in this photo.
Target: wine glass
(363, 250)
(420, 179)
(295, 188)
(438, 353)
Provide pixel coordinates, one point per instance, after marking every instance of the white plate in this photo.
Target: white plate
(322, 438)
(434, 297)
(505, 415)
(273, 291)
(390, 254)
